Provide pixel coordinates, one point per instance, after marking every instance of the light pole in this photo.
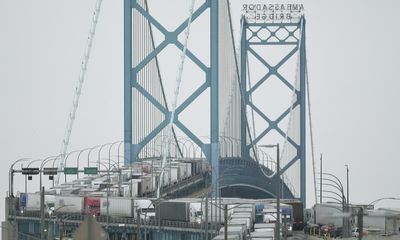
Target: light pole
(320, 177)
(42, 164)
(343, 200)
(347, 173)
(11, 176)
(278, 191)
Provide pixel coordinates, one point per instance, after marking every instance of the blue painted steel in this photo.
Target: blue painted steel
(245, 178)
(243, 79)
(211, 151)
(214, 96)
(250, 37)
(128, 80)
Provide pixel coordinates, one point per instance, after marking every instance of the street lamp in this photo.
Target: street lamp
(278, 190)
(347, 173)
(345, 202)
(11, 175)
(381, 199)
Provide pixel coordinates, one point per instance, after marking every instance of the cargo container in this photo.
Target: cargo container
(242, 224)
(49, 200)
(172, 173)
(96, 182)
(58, 189)
(242, 215)
(245, 208)
(269, 235)
(188, 170)
(118, 207)
(124, 190)
(146, 184)
(82, 181)
(143, 203)
(264, 225)
(91, 205)
(212, 211)
(184, 170)
(85, 191)
(297, 211)
(232, 230)
(112, 191)
(173, 211)
(229, 237)
(145, 206)
(134, 185)
(31, 201)
(97, 194)
(195, 213)
(243, 221)
(80, 185)
(69, 191)
(68, 204)
(298, 214)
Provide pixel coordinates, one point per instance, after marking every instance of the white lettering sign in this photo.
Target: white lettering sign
(256, 13)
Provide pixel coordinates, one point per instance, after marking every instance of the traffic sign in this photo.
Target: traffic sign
(70, 171)
(49, 171)
(30, 171)
(90, 170)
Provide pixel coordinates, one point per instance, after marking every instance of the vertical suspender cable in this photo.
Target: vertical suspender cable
(176, 94)
(161, 82)
(242, 94)
(78, 88)
(251, 97)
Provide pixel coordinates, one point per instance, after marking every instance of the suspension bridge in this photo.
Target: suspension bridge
(216, 112)
(233, 141)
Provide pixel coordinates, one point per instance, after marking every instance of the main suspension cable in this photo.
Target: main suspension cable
(78, 88)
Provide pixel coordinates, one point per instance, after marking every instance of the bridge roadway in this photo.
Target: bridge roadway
(244, 178)
(239, 178)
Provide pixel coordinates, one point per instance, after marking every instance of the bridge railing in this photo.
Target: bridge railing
(77, 218)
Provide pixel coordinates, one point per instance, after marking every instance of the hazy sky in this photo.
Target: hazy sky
(352, 50)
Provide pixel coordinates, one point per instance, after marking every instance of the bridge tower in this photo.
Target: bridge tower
(138, 21)
(256, 35)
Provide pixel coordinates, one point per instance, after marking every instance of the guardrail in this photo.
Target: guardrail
(113, 221)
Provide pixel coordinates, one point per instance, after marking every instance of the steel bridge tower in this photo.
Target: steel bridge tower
(251, 36)
(132, 72)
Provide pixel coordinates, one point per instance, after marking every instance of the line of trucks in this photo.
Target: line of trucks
(88, 194)
(141, 179)
(183, 209)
